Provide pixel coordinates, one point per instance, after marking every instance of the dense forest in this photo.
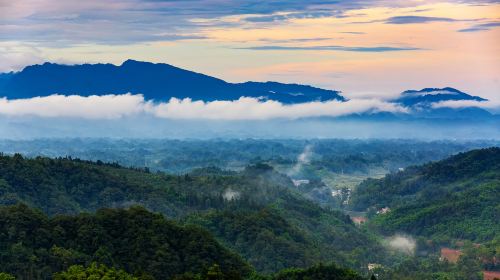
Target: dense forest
(34, 246)
(255, 212)
(456, 198)
(67, 218)
(123, 244)
(180, 156)
(328, 164)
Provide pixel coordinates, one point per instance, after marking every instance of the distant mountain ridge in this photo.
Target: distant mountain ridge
(427, 96)
(424, 104)
(155, 81)
(160, 82)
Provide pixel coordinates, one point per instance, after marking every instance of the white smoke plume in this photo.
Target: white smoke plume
(230, 195)
(402, 243)
(302, 158)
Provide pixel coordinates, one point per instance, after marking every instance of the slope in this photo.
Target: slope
(253, 203)
(456, 198)
(34, 246)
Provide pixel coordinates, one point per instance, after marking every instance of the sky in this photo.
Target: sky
(366, 49)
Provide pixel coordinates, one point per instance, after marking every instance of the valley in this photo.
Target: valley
(275, 204)
(249, 140)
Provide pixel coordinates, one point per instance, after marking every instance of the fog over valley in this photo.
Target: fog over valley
(250, 140)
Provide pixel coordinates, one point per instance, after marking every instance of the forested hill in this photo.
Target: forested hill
(456, 198)
(255, 212)
(34, 246)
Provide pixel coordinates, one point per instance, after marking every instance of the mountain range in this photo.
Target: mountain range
(161, 82)
(427, 96)
(155, 81)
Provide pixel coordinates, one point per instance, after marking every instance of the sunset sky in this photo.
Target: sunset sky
(363, 48)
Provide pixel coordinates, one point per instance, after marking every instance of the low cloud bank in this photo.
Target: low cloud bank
(91, 107)
(492, 105)
(245, 108)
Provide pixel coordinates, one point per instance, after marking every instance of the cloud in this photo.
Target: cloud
(92, 107)
(353, 32)
(333, 48)
(245, 108)
(104, 22)
(74, 22)
(14, 57)
(416, 19)
(296, 15)
(295, 40)
(177, 37)
(131, 21)
(481, 27)
(493, 105)
(421, 10)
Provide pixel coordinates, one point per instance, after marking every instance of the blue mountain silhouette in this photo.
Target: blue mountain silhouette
(155, 81)
(160, 82)
(428, 96)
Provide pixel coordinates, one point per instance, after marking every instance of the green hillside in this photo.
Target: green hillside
(456, 198)
(318, 272)
(248, 211)
(34, 246)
